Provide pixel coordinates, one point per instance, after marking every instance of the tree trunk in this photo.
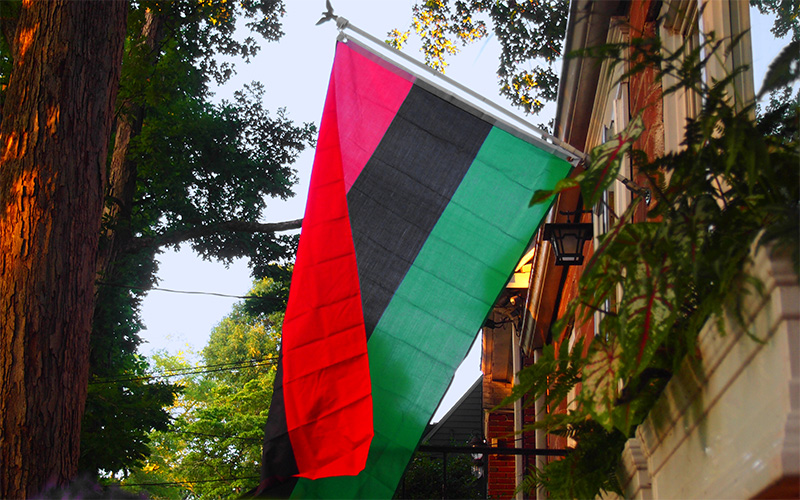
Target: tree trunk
(53, 147)
(122, 171)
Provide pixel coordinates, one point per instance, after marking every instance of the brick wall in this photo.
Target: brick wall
(500, 427)
(646, 94)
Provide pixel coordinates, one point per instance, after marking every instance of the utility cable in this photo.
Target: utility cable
(196, 370)
(185, 292)
(221, 436)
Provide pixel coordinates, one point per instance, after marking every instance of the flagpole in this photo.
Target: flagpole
(546, 141)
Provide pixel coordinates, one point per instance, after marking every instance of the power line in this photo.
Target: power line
(221, 436)
(231, 366)
(185, 292)
(243, 362)
(179, 374)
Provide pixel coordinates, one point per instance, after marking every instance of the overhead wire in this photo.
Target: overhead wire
(221, 436)
(185, 292)
(231, 366)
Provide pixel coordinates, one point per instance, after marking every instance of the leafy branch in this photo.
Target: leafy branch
(531, 36)
(178, 236)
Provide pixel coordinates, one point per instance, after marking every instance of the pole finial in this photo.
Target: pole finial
(328, 14)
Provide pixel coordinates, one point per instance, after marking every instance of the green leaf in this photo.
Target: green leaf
(601, 376)
(605, 161)
(545, 195)
(783, 70)
(648, 307)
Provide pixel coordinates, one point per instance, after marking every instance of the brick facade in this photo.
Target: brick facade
(500, 432)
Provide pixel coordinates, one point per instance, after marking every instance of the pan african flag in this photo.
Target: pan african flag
(417, 213)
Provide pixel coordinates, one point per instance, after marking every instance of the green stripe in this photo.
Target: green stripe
(436, 312)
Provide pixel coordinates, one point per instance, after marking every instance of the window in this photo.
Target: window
(610, 116)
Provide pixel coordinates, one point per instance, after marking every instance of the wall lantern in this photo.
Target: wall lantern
(568, 239)
(478, 464)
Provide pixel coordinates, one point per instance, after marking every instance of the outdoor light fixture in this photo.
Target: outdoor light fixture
(568, 239)
(478, 463)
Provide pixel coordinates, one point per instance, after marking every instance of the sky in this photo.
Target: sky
(295, 72)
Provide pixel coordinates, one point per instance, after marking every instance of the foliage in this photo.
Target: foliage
(198, 164)
(120, 415)
(530, 35)
(423, 478)
(123, 405)
(596, 449)
(213, 447)
(198, 168)
(786, 13)
(731, 187)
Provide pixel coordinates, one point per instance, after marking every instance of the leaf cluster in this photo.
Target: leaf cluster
(786, 16)
(204, 31)
(731, 187)
(530, 35)
(120, 414)
(201, 165)
(584, 471)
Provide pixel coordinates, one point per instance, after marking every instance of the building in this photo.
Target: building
(732, 448)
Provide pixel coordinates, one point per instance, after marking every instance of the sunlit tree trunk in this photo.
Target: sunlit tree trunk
(53, 150)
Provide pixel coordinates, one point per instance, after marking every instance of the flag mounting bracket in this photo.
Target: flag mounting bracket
(341, 22)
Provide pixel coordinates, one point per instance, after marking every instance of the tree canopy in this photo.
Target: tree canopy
(531, 36)
(212, 449)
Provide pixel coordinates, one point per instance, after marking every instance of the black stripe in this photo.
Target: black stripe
(404, 188)
(278, 464)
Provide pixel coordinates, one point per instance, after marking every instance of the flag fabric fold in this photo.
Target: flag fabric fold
(416, 216)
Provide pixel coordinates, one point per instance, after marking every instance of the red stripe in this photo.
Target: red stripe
(368, 94)
(326, 384)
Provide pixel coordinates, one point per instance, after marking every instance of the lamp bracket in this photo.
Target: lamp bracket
(576, 213)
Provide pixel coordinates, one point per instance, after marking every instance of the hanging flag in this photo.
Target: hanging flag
(417, 214)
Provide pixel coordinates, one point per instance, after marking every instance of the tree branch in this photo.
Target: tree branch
(181, 235)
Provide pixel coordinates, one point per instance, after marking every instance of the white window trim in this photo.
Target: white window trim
(680, 18)
(610, 115)
(727, 19)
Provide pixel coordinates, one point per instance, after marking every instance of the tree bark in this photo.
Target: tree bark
(122, 173)
(53, 152)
